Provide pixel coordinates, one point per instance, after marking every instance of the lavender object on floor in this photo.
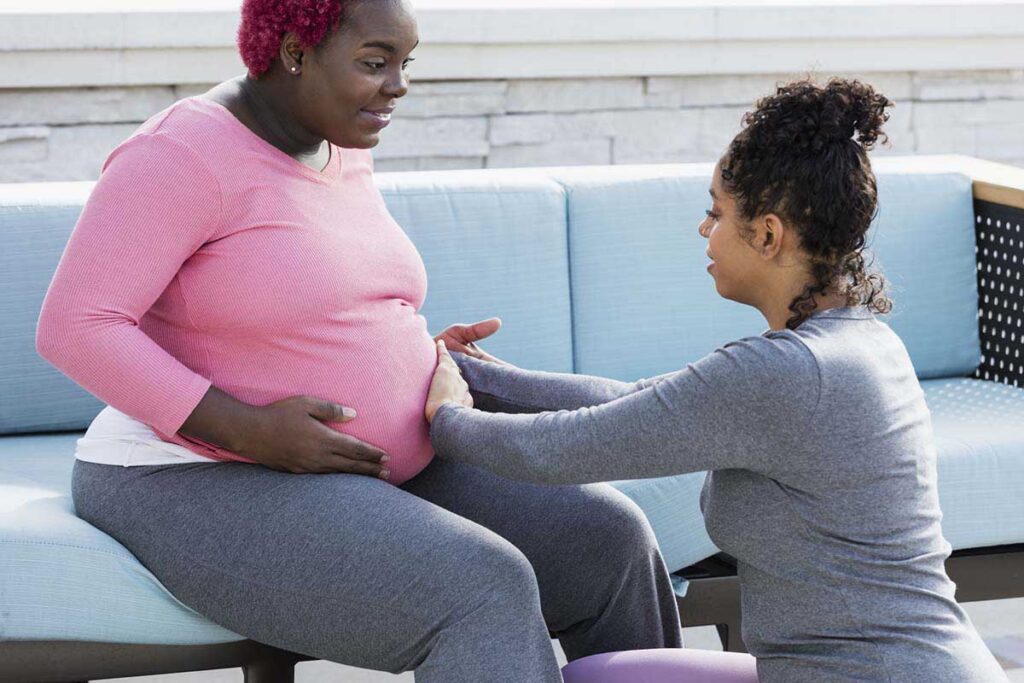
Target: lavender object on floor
(663, 666)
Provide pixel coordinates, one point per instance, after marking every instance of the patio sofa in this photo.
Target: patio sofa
(596, 270)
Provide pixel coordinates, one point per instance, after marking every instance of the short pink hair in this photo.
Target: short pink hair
(264, 23)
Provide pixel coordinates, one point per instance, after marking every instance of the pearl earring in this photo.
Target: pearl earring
(294, 69)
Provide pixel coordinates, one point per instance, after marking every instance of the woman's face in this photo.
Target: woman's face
(357, 75)
(735, 264)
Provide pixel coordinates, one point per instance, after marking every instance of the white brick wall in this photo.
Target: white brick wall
(24, 145)
(455, 98)
(555, 153)
(743, 90)
(978, 85)
(82, 105)
(433, 137)
(66, 133)
(576, 94)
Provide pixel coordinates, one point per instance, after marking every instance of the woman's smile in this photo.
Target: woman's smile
(378, 118)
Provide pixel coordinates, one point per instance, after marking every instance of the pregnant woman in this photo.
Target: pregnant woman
(237, 292)
(816, 433)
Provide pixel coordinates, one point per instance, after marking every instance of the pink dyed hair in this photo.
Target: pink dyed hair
(264, 23)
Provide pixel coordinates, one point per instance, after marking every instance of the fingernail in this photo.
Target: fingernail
(384, 474)
(384, 458)
(348, 412)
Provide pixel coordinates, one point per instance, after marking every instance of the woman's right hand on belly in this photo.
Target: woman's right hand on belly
(290, 436)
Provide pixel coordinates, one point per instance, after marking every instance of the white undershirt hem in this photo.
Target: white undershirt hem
(114, 438)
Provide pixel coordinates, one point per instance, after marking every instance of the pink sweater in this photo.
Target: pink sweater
(206, 255)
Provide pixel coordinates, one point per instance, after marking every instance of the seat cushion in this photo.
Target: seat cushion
(980, 444)
(63, 579)
(980, 447)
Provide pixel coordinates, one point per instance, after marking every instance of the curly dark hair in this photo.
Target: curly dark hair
(802, 155)
(264, 23)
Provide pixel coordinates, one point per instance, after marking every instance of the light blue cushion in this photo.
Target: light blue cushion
(923, 238)
(63, 579)
(980, 444)
(36, 220)
(644, 304)
(494, 244)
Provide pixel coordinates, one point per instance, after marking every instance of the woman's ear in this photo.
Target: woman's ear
(771, 232)
(291, 52)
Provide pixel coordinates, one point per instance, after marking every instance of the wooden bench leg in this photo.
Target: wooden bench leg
(729, 634)
(270, 671)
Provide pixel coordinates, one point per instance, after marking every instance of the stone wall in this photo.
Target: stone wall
(65, 133)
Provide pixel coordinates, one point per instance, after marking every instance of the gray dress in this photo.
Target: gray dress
(822, 485)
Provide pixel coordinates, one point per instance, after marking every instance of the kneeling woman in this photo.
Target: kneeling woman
(822, 476)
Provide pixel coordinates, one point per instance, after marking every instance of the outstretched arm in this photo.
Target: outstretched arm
(500, 387)
(739, 407)
(509, 389)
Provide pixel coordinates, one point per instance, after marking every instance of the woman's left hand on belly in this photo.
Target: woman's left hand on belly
(448, 386)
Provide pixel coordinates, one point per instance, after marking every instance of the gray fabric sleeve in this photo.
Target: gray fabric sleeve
(502, 388)
(743, 406)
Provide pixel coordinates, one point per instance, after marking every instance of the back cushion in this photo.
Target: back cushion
(923, 238)
(494, 243)
(491, 246)
(625, 296)
(643, 303)
(36, 220)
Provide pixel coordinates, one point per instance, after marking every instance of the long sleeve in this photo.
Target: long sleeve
(155, 204)
(502, 388)
(742, 406)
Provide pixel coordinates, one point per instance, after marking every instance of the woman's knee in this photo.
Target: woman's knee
(619, 529)
(501, 577)
(491, 603)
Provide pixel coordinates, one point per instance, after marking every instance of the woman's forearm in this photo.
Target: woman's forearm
(737, 408)
(509, 389)
(640, 435)
(222, 420)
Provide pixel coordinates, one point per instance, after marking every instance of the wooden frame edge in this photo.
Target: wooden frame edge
(1004, 195)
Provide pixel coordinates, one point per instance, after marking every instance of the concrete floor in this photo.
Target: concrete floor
(1001, 623)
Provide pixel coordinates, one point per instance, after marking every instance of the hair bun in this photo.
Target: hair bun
(808, 117)
(851, 107)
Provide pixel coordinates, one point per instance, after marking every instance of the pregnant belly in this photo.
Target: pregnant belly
(387, 383)
(389, 403)
(384, 376)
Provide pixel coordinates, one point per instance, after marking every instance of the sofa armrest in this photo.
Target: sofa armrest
(999, 229)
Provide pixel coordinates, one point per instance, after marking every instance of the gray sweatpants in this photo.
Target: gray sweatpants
(458, 574)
